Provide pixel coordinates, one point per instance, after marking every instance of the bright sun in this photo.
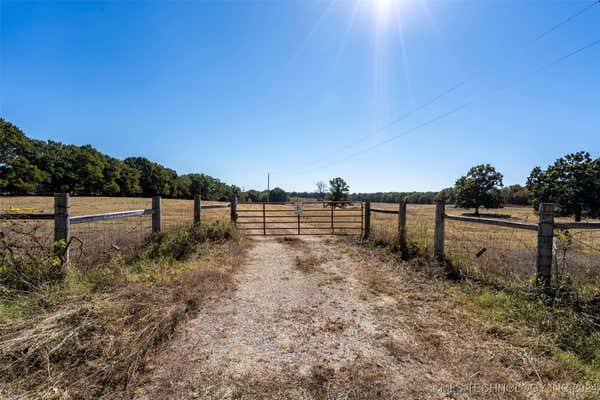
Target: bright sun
(383, 6)
(384, 10)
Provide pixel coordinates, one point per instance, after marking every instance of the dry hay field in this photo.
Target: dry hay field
(498, 254)
(100, 239)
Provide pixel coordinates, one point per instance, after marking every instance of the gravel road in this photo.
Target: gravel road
(318, 318)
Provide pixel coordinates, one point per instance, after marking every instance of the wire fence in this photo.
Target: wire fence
(96, 241)
(501, 255)
(503, 251)
(497, 254)
(577, 258)
(419, 225)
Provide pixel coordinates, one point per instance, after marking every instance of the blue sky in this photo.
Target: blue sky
(308, 89)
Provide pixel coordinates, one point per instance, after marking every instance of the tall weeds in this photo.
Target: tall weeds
(93, 332)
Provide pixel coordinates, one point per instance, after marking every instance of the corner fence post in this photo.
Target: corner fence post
(438, 236)
(367, 231)
(62, 226)
(402, 224)
(234, 209)
(543, 267)
(156, 216)
(197, 209)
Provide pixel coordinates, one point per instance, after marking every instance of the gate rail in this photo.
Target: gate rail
(281, 219)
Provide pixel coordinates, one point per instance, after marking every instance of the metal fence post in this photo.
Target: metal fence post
(438, 236)
(543, 267)
(197, 209)
(332, 210)
(234, 209)
(264, 217)
(402, 224)
(367, 230)
(156, 216)
(62, 227)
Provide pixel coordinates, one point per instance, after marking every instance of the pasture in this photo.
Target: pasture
(96, 241)
(315, 293)
(501, 255)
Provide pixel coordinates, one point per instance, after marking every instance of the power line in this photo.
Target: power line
(468, 103)
(566, 20)
(469, 79)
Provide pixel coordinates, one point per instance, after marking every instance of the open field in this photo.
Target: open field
(98, 240)
(509, 254)
(506, 255)
(292, 317)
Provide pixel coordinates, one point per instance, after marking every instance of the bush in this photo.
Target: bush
(25, 262)
(181, 244)
(218, 232)
(178, 245)
(91, 334)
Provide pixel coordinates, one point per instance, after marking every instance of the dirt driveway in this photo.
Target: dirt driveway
(317, 318)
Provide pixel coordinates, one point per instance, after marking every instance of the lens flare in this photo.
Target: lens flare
(383, 9)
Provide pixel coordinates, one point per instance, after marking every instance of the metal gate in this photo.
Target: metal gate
(310, 218)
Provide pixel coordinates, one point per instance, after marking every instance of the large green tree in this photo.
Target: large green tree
(479, 188)
(253, 195)
(572, 183)
(30, 166)
(446, 194)
(338, 190)
(154, 178)
(515, 194)
(18, 174)
(278, 195)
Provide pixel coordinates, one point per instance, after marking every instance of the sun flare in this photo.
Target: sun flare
(382, 7)
(384, 10)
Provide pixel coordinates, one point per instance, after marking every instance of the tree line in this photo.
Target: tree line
(37, 167)
(513, 194)
(572, 183)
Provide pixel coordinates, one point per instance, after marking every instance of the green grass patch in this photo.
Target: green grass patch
(566, 335)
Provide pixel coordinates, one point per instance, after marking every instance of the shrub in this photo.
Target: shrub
(26, 264)
(218, 232)
(182, 243)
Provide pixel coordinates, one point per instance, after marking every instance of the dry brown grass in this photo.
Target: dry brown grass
(308, 263)
(89, 343)
(445, 331)
(507, 256)
(98, 241)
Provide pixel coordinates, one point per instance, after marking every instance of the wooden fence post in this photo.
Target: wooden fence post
(438, 237)
(197, 209)
(234, 209)
(367, 229)
(543, 267)
(62, 227)
(156, 217)
(402, 225)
